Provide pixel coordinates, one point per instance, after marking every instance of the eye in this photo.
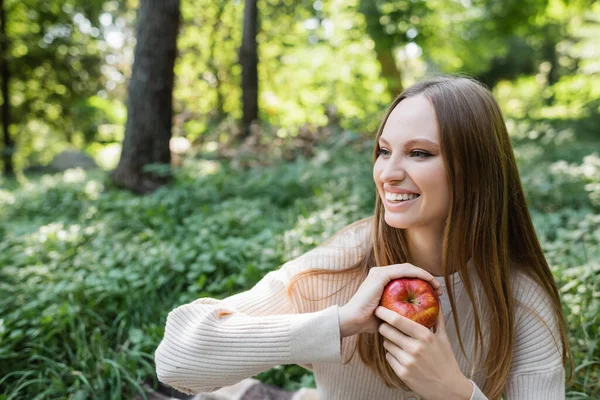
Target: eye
(419, 154)
(384, 152)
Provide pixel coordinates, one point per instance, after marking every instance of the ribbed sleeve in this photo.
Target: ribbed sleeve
(548, 384)
(537, 371)
(538, 346)
(212, 343)
(209, 344)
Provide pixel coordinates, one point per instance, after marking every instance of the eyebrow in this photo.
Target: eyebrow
(411, 142)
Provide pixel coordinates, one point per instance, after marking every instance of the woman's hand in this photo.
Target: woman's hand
(358, 314)
(421, 358)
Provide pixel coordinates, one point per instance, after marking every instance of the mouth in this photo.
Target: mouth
(397, 198)
(399, 202)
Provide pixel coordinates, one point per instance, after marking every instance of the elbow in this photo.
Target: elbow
(182, 355)
(168, 371)
(172, 371)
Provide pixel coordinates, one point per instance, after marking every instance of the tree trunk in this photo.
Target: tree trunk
(249, 62)
(552, 35)
(389, 69)
(212, 64)
(150, 98)
(384, 47)
(9, 145)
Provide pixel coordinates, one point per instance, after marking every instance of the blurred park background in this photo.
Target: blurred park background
(241, 137)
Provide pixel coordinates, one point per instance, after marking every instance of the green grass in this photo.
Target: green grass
(88, 275)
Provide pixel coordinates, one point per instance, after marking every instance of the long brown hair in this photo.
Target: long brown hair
(488, 224)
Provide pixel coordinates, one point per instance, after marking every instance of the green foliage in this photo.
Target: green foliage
(87, 276)
(68, 86)
(309, 59)
(559, 161)
(55, 59)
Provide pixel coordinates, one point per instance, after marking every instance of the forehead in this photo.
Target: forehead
(412, 117)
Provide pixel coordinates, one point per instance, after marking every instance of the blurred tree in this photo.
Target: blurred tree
(213, 65)
(491, 39)
(208, 71)
(9, 147)
(519, 59)
(249, 60)
(534, 47)
(353, 55)
(150, 102)
(55, 58)
(390, 25)
(312, 54)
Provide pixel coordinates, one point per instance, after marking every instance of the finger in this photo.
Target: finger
(403, 324)
(396, 366)
(399, 354)
(406, 270)
(396, 337)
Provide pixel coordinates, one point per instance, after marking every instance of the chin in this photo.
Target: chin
(397, 221)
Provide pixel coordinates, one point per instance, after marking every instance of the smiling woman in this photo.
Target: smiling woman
(450, 210)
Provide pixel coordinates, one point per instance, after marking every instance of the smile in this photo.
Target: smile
(397, 197)
(399, 204)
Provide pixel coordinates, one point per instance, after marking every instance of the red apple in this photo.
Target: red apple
(412, 298)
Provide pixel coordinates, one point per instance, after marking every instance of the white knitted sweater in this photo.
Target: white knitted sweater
(209, 343)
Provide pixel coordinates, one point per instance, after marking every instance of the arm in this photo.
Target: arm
(543, 385)
(537, 371)
(547, 385)
(209, 343)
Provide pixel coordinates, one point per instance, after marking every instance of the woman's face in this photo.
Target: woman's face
(409, 172)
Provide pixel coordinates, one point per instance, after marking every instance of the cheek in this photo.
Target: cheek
(376, 172)
(440, 187)
(434, 180)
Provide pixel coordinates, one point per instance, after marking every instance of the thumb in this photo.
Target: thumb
(440, 323)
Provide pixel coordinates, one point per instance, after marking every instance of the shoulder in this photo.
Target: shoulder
(317, 279)
(524, 287)
(356, 237)
(538, 344)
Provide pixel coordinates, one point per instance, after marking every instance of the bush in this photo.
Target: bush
(88, 276)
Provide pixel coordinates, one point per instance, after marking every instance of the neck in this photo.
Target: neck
(425, 248)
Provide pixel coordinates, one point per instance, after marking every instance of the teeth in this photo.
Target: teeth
(401, 197)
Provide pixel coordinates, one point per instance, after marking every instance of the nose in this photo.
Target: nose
(392, 171)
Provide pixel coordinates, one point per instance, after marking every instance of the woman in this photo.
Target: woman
(450, 209)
